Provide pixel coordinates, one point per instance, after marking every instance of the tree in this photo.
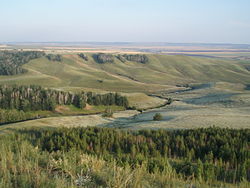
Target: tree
(83, 56)
(199, 170)
(82, 103)
(24, 105)
(51, 104)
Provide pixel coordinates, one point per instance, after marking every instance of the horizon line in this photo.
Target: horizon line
(121, 42)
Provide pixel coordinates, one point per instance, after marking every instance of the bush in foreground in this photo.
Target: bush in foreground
(157, 117)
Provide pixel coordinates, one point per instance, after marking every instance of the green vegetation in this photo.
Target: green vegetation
(70, 110)
(102, 157)
(103, 58)
(162, 72)
(108, 113)
(157, 117)
(11, 61)
(136, 58)
(109, 58)
(29, 98)
(11, 116)
(121, 58)
(21, 99)
(53, 57)
(83, 56)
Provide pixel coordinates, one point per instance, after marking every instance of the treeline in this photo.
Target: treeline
(54, 57)
(212, 154)
(33, 98)
(11, 116)
(109, 58)
(11, 61)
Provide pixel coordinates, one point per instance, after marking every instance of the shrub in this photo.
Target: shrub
(170, 100)
(157, 117)
(83, 56)
(108, 113)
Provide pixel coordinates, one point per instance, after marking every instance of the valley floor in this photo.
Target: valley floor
(195, 108)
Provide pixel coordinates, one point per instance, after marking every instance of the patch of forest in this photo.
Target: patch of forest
(12, 116)
(136, 58)
(34, 98)
(103, 58)
(11, 61)
(110, 58)
(54, 57)
(205, 155)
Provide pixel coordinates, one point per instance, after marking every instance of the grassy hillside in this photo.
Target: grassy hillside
(160, 73)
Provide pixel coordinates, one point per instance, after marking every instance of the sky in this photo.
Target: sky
(175, 21)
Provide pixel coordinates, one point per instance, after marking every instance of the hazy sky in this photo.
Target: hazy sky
(212, 21)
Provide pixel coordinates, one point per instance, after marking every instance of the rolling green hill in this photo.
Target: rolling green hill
(161, 72)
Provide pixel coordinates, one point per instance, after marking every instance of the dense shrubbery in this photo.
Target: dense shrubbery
(211, 154)
(28, 98)
(103, 58)
(11, 61)
(54, 57)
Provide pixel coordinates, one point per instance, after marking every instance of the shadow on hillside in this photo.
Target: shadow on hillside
(124, 122)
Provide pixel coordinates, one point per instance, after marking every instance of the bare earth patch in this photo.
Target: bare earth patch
(62, 109)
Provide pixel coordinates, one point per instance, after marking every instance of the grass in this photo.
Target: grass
(72, 110)
(161, 73)
(63, 116)
(143, 101)
(227, 105)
